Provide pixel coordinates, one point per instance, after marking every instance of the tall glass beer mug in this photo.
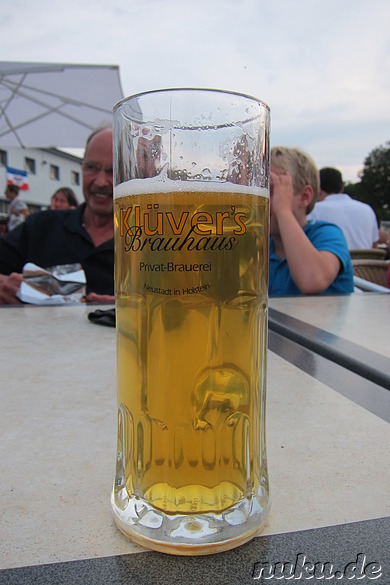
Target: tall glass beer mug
(191, 176)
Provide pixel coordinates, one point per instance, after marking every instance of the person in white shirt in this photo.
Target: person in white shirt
(18, 210)
(356, 219)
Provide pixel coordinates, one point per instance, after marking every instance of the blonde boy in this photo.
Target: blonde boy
(305, 257)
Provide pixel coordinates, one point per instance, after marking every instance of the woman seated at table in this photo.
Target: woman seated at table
(305, 257)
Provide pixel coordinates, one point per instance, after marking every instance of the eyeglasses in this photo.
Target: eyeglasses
(93, 169)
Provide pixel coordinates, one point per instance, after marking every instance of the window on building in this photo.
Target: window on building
(3, 158)
(75, 178)
(30, 165)
(54, 172)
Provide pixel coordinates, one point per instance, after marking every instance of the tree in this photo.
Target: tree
(374, 186)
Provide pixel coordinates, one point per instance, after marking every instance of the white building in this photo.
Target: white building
(47, 170)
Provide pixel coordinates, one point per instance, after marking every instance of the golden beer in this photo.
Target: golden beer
(191, 279)
(191, 205)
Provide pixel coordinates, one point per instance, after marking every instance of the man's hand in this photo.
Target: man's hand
(102, 299)
(9, 286)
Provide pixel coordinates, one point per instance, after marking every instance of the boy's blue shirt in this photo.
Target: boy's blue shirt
(324, 236)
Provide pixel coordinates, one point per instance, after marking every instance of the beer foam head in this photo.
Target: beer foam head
(165, 185)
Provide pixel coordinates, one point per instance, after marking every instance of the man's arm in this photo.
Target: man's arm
(97, 298)
(11, 265)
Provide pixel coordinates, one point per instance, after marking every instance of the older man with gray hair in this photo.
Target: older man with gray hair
(84, 235)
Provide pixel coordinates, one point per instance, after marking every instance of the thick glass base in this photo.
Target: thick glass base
(191, 534)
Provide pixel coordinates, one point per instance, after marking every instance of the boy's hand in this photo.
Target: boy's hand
(282, 192)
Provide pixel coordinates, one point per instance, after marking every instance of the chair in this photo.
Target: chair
(368, 253)
(372, 270)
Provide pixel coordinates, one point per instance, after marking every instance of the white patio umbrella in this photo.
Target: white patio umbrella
(45, 105)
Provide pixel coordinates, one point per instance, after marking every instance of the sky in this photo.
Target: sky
(323, 67)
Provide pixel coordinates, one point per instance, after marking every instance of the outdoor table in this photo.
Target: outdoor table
(352, 330)
(328, 464)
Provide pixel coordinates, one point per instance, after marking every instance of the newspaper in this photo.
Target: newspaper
(63, 284)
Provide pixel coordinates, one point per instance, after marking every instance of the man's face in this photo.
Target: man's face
(97, 174)
(148, 156)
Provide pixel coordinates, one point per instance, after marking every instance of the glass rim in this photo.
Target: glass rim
(190, 89)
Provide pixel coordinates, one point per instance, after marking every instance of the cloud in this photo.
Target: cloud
(322, 67)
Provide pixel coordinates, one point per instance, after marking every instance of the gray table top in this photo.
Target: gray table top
(328, 462)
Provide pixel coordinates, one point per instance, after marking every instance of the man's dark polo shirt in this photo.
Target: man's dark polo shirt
(51, 237)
